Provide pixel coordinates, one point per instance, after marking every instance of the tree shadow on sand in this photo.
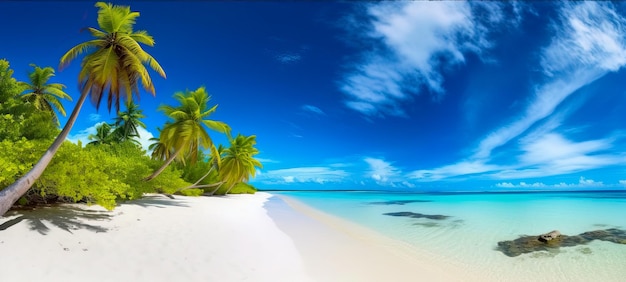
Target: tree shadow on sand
(158, 201)
(65, 217)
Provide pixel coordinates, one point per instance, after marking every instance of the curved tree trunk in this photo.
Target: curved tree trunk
(202, 178)
(162, 168)
(195, 185)
(231, 187)
(215, 190)
(12, 193)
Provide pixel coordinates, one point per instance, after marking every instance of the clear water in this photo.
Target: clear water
(478, 221)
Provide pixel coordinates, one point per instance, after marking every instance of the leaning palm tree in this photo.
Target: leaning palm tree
(215, 161)
(238, 163)
(113, 66)
(43, 95)
(186, 133)
(127, 122)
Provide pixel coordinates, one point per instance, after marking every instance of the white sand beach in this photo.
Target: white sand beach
(228, 238)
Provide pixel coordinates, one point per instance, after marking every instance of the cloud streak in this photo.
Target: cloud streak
(318, 175)
(415, 42)
(589, 42)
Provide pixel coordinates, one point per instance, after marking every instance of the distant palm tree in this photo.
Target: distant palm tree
(159, 150)
(43, 95)
(238, 162)
(186, 133)
(103, 135)
(127, 122)
(113, 67)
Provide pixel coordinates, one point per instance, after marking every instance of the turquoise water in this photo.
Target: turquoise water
(466, 227)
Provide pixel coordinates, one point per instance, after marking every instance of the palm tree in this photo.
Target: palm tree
(186, 134)
(103, 135)
(159, 150)
(238, 163)
(43, 95)
(127, 122)
(214, 161)
(113, 66)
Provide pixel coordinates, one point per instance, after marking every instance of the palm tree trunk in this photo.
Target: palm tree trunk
(10, 194)
(215, 190)
(162, 168)
(230, 188)
(195, 184)
(203, 177)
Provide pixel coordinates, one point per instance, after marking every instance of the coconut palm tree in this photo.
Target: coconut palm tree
(127, 122)
(215, 161)
(238, 163)
(186, 133)
(43, 95)
(113, 66)
(103, 135)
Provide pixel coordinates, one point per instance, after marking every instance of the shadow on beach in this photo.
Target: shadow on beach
(157, 201)
(65, 217)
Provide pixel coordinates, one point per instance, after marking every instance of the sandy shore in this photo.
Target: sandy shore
(205, 239)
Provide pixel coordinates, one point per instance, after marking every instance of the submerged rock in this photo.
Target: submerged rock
(398, 202)
(417, 215)
(529, 244)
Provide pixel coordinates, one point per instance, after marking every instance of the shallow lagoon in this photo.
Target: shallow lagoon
(465, 228)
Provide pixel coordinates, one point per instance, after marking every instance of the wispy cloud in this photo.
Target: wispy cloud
(454, 170)
(288, 58)
(319, 175)
(265, 161)
(582, 183)
(413, 43)
(313, 109)
(381, 171)
(589, 42)
(95, 117)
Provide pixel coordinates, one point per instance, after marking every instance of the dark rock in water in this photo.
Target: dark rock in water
(417, 215)
(399, 202)
(549, 236)
(529, 244)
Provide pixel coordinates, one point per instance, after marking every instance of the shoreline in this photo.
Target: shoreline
(334, 249)
(260, 237)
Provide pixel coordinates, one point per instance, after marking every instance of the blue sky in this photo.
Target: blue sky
(413, 95)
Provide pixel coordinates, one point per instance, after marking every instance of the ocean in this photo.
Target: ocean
(495, 234)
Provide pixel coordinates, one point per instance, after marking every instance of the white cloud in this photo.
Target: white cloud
(591, 34)
(418, 39)
(319, 175)
(289, 58)
(83, 135)
(313, 109)
(144, 139)
(582, 183)
(589, 41)
(94, 117)
(622, 182)
(460, 168)
(521, 185)
(381, 171)
(264, 160)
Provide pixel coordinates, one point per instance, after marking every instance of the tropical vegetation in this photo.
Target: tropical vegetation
(40, 167)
